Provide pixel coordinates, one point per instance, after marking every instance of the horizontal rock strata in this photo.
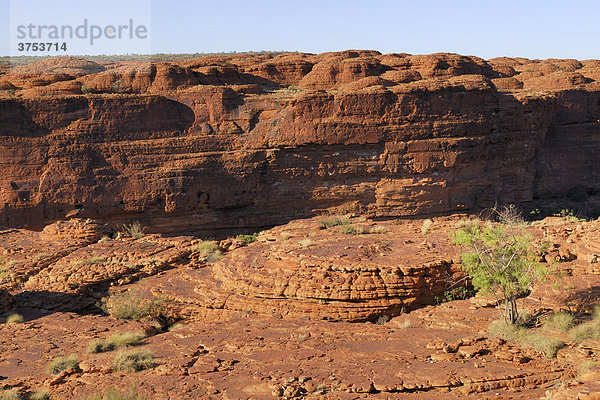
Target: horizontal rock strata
(217, 143)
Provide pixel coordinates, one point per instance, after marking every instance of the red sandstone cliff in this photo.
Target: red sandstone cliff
(247, 141)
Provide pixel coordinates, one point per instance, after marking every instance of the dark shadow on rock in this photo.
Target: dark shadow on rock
(48, 301)
(584, 300)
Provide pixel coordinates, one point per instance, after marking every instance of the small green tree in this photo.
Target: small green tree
(500, 261)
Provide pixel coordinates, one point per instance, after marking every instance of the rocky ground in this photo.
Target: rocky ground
(310, 309)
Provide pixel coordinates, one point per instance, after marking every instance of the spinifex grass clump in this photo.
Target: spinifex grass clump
(115, 342)
(561, 321)
(113, 394)
(334, 221)
(129, 305)
(133, 360)
(210, 251)
(61, 363)
(518, 333)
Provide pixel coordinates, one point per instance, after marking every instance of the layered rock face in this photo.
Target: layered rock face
(217, 143)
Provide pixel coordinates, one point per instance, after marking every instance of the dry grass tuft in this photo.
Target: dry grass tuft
(133, 360)
(426, 226)
(15, 319)
(561, 321)
(61, 363)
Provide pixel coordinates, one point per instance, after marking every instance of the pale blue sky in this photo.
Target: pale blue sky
(533, 29)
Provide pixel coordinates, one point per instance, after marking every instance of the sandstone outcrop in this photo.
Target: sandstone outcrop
(245, 141)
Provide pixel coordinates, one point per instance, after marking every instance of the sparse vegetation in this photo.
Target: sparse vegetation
(133, 360)
(542, 343)
(135, 230)
(586, 366)
(518, 333)
(426, 226)
(500, 262)
(92, 261)
(40, 256)
(505, 331)
(351, 230)
(585, 331)
(105, 239)
(330, 222)
(9, 395)
(40, 394)
(116, 341)
(4, 275)
(457, 293)
(113, 394)
(405, 324)
(210, 251)
(561, 321)
(61, 363)
(286, 91)
(569, 215)
(14, 319)
(285, 235)
(176, 326)
(382, 320)
(302, 337)
(128, 305)
(85, 89)
(509, 215)
(379, 230)
(247, 239)
(304, 243)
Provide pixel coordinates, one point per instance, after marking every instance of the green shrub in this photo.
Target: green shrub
(569, 215)
(133, 360)
(205, 247)
(457, 293)
(14, 319)
(247, 239)
(561, 322)
(382, 320)
(128, 305)
(112, 394)
(334, 221)
(61, 363)
(115, 342)
(499, 261)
